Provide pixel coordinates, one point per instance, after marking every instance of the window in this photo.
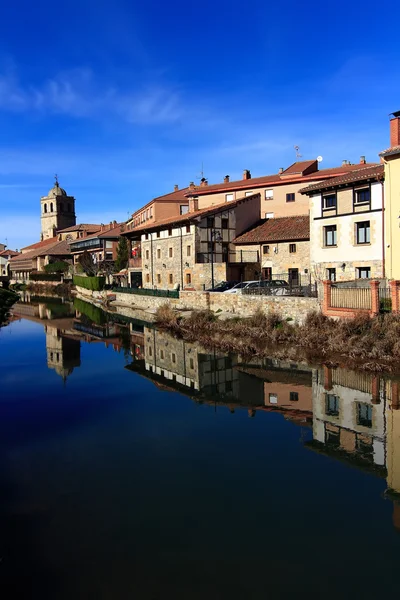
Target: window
(184, 209)
(362, 196)
(269, 194)
(109, 244)
(146, 236)
(170, 231)
(158, 234)
(147, 278)
(330, 236)
(109, 255)
(151, 211)
(265, 249)
(162, 354)
(191, 363)
(170, 252)
(150, 351)
(269, 215)
(228, 197)
(158, 253)
(187, 228)
(293, 276)
(364, 414)
(173, 357)
(224, 223)
(188, 279)
(45, 208)
(329, 201)
(331, 274)
(158, 278)
(364, 272)
(273, 398)
(171, 278)
(188, 250)
(51, 207)
(332, 405)
(290, 197)
(210, 221)
(363, 232)
(267, 273)
(249, 193)
(292, 248)
(147, 254)
(294, 396)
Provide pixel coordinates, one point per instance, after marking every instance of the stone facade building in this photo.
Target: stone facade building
(346, 226)
(282, 245)
(196, 250)
(57, 211)
(169, 205)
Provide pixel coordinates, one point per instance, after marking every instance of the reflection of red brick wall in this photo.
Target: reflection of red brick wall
(282, 391)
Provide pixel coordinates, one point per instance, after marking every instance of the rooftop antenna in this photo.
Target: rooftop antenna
(201, 172)
(298, 155)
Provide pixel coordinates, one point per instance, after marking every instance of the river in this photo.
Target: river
(137, 466)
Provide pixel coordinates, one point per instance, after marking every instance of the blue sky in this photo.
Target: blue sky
(124, 99)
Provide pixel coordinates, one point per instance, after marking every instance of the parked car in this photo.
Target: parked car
(222, 286)
(276, 287)
(237, 289)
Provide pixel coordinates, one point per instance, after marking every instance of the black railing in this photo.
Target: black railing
(385, 300)
(241, 256)
(290, 289)
(147, 292)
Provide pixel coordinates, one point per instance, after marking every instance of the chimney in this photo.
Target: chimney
(191, 186)
(362, 160)
(395, 129)
(193, 205)
(114, 223)
(246, 174)
(176, 187)
(102, 227)
(280, 170)
(226, 179)
(203, 182)
(344, 163)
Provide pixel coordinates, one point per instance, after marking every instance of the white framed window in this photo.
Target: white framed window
(269, 215)
(228, 197)
(273, 398)
(269, 194)
(249, 193)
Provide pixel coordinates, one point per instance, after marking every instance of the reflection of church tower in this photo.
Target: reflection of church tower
(57, 211)
(63, 354)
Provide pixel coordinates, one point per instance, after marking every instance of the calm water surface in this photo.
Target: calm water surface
(136, 466)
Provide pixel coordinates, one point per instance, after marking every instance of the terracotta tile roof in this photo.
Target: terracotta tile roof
(110, 233)
(41, 244)
(301, 167)
(277, 179)
(53, 248)
(389, 151)
(374, 172)
(59, 249)
(81, 227)
(193, 216)
(277, 230)
(10, 253)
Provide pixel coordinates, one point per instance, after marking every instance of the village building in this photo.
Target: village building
(163, 207)
(391, 160)
(77, 231)
(102, 245)
(279, 193)
(282, 246)
(35, 257)
(5, 257)
(346, 226)
(196, 250)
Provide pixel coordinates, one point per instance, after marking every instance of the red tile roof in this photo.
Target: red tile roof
(193, 216)
(41, 244)
(389, 151)
(9, 253)
(277, 179)
(175, 196)
(374, 172)
(304, 167)
(81, 227)
(110, 233)
(53, 248)
(277, 230)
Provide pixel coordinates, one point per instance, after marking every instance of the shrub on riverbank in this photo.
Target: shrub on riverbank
(7, 299)
(369, 343)
(95, 284)
(46, 289)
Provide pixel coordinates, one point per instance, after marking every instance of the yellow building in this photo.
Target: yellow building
(391, 159)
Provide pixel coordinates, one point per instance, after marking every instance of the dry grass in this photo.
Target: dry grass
(371, 344)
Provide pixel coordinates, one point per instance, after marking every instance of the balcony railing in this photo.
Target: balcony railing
(241, 256)
(135, 263)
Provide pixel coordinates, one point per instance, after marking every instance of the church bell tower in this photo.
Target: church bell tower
(57, 211)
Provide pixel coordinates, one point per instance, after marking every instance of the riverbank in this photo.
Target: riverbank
(360, 343)
(7, 299)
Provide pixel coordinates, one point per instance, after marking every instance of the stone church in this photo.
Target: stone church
(57, 211)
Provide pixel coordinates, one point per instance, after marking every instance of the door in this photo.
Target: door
(293, 276)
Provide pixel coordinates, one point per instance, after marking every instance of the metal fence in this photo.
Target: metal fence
(241, 256)
(351, 297)
(385, 299)
(147, 292)
(306, 291)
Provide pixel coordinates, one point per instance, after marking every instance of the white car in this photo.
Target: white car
(237, 289)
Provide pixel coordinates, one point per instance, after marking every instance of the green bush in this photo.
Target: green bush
(57, 267)
(96, 284)
(45, 277)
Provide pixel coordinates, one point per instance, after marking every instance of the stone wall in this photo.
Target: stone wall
(244, 306)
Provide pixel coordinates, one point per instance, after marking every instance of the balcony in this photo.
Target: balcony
(135, 263)
(239, 257)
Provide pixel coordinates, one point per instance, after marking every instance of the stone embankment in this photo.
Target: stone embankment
(289, 307)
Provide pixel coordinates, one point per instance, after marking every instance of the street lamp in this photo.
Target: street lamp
(217, 237)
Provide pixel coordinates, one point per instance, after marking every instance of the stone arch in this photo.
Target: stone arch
(51, 207)
(45, 208)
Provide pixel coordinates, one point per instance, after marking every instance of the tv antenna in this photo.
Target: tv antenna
(201, 172)
(298, 155)
(319, 159)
